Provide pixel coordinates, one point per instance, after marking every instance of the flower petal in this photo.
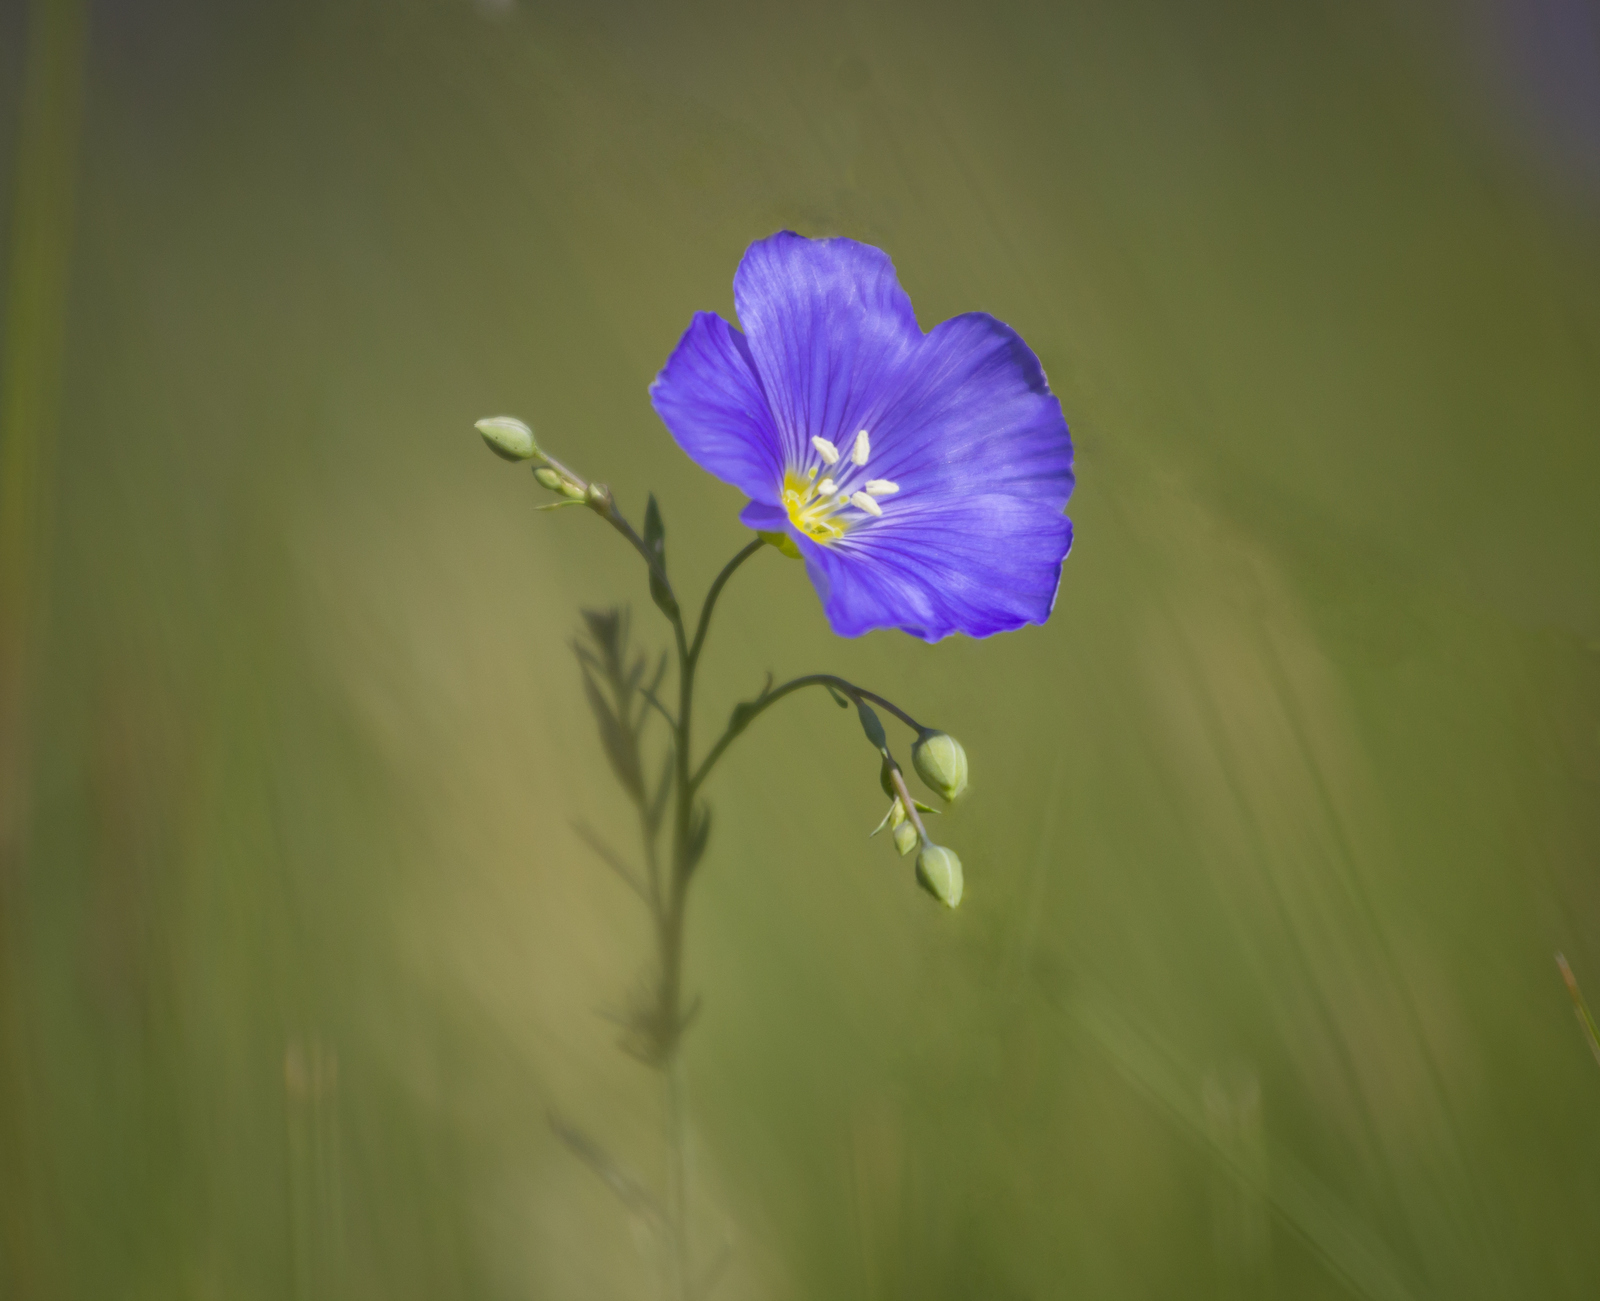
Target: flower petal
(765, 518)
(710, 397)
(972, 412)
(978, 564)
(830, 329)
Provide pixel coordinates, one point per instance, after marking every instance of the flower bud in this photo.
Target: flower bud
(905, 837)
(941, 763)
(939, 873)
(548, 477)
(509, 438)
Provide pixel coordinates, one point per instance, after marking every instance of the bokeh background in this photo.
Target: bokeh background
(1274, 830)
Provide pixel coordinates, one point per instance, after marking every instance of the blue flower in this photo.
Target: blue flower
(921, 476)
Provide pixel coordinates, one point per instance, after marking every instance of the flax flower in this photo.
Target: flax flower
(922, 477)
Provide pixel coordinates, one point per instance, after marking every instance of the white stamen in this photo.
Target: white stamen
(830, 453)
(859, 452)
(882, 487)
(827, 488)
(861, 501)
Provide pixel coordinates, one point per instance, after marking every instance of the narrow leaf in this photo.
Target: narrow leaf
(655, 541)
(838, 699)
(872, 726)
(655, 532)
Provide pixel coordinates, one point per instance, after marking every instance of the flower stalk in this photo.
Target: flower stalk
(624, 698)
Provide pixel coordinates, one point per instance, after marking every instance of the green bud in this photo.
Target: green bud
(905, 837)
(941, 763)
(548, 477)
(939, 873)
(509, 438)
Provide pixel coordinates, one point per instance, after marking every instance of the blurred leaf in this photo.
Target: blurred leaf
(612, 859)
(699, 835)
(618, 743)
(632, 1193)
(658, 803)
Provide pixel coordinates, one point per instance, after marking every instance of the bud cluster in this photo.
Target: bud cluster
(942, 764)
(512, 440)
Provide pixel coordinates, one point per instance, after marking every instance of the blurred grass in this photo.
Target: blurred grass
(1274, 829)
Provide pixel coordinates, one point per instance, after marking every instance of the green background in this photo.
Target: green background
(1274, 829)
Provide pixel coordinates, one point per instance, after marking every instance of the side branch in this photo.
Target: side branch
(746, 713)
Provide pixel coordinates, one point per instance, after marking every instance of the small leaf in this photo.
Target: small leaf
(739, 719)
(872, 726)
(655, 541)
(838, 699)
(655, 532)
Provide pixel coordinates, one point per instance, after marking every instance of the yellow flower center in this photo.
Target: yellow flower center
(813, 513)
(815, 497)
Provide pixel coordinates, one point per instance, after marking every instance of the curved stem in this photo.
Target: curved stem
(751, 711)
(717, 585)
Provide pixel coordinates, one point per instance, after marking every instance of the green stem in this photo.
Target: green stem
(906, 802)
(671, 904)
(754, 709)
(717, 585)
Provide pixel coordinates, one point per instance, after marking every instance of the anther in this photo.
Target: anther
(861, 501)
(827, 488)
(882, 487)
(859, 452)
(830, 453)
